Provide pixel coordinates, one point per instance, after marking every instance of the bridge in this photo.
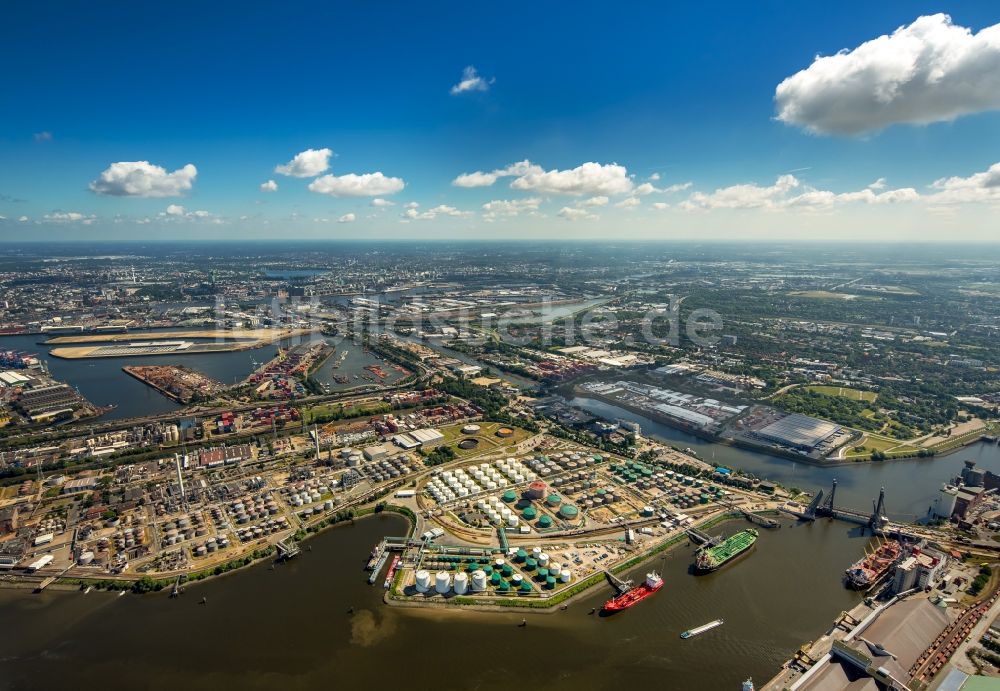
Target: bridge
(876, 521)
(703, 539)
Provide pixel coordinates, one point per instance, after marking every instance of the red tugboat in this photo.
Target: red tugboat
(635, 595)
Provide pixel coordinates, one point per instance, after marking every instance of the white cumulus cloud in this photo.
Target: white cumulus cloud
(571, 214)
(482, 179)
(788, 192)
(471, 81)
(347, 218)
(978, 187)
(586, 179)
(306, 164)
(510, 207)
(352, 185)
(143, 179)
(381, 203)
(413, 214)
(599, 200)
(67, 217)
(269, 186)
(928, 71)
(629, 203)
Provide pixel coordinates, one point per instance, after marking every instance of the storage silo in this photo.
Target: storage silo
(442, 582)
(565, 575)
(423, 581)
(544, 522)
(478, 581)
(543, 559)
(461, 583)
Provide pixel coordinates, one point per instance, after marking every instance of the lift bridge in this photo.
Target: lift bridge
(877, 521)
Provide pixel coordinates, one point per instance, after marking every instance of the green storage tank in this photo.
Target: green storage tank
(544, 522)
(473, 567)
(543, 573)
(495, 578)
(530, 564)
(526, 587)
(530, 513)
(553, 500)
(510, 496)
(504, 586)
(550, 582)
(568, 511)
(507, 570)
(521, 555)
(487, 569)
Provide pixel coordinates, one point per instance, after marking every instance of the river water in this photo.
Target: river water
(291, 628)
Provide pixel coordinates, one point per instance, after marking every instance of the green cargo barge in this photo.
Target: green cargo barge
(712, 558)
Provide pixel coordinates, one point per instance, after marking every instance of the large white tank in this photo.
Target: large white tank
(512, 521)
(536, 552)
(564, 576)
(543, 559)
(461, 583)
(555, 567)
(499, 562)
(516, 580)
(442, 582)
(423, 581)
(478, 581)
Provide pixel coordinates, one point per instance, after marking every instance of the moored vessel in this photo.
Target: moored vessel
(636, 594)
(391, 572)
(867, 571)
(712, 558)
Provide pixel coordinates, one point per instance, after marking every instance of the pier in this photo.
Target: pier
(46, 582)
(286, 551)
(702, 539)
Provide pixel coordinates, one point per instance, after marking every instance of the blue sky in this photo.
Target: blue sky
(685, 93)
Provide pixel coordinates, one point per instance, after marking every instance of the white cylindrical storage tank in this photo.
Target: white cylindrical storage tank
(442, 582)
(516, 580)
(505, 512)
(463, 492)
(564, 576)
(536, 552)
(481, 504)
(499, 562)
(512, 521)
(461, 583)
(518, 477)
(423, 581)
(543, 559)
(555, 567)
(501, 482)
(478, 581)
(490, 484)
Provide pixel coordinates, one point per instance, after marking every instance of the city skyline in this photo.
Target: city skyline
(807, 124)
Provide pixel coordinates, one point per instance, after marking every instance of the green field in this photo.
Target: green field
(876, 442)
(844, 392)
